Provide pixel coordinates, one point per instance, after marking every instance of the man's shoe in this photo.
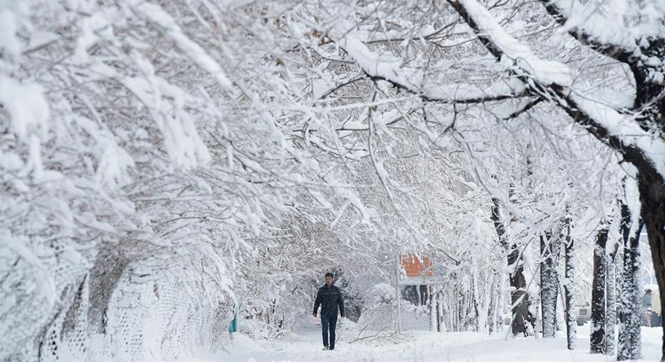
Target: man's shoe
(325, 348)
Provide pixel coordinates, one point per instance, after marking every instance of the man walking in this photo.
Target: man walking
(329, 298)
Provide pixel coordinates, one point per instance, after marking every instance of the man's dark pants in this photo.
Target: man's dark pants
(329, 322)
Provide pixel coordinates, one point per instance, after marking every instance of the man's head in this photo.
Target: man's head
(649, 291)
(329, 279)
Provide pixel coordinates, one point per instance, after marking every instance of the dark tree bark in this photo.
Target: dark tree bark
(652, 196)
(549, 283)
(476, 304)
(569, 288)
(519, 297)
(494, 321)
(630, 306)
(611, 322)
(598, 293)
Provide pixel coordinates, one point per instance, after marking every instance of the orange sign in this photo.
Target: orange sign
(415, 267)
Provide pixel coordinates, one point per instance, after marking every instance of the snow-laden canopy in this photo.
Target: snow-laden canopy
(166, 163)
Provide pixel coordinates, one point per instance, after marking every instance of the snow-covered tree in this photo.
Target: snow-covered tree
(222, 155)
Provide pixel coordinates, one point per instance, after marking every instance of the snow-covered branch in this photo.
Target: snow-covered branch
(553, 80)
(622, 50)
(392, 70)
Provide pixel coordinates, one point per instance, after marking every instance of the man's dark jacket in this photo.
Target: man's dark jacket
(329, 298)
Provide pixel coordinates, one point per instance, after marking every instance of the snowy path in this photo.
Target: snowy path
(425, 347)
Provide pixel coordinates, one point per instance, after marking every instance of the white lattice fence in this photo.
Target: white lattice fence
(415, 318)
(379, 318)
(159, 317)
(384, 318)
(39, 292)
(66, 338)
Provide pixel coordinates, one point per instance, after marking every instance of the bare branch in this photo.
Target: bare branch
(524, 109)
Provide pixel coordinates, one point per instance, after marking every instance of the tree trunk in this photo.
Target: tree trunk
(440, 312)
(480, 320)
(610, 325)
(652, 196)
(536, 313)
(598, 293)
(630, 307)
(549, 284)
(487, 309)
(500, 302)
(434, 317)
(569, 287)
(491, 311)
(519, 297)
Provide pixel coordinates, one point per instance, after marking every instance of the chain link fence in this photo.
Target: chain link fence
(385, 318)
(146, 318)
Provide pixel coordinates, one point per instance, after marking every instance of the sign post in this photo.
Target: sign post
(398, 321)
(413, 270)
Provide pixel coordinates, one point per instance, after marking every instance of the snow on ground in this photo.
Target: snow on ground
(306, 346)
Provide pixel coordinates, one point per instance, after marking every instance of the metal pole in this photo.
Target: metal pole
(432, 308)
(399, 312)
